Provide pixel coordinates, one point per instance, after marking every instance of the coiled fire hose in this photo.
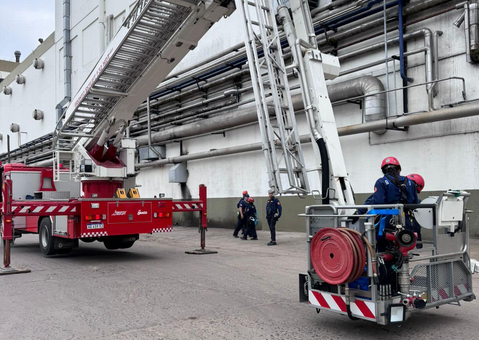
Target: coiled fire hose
(338, 255)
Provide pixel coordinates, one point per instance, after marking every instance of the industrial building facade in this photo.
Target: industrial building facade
(203, 118)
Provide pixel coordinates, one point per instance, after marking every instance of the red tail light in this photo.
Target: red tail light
(161, 215)
(95, 217)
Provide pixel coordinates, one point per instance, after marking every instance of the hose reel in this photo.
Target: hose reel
(338, 255)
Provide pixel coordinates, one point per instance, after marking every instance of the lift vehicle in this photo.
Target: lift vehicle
(347, 272)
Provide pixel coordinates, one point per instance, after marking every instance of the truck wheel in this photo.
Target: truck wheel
(45, 237)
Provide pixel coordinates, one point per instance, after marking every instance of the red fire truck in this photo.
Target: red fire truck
(84, 188)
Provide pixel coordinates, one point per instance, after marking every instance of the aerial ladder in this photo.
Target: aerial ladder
(346, 272)
(84, 195)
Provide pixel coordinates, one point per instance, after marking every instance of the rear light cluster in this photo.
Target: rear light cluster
(161, 215)
(95, 217)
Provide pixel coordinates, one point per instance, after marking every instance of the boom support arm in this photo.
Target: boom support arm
(314, 68)
(154, 38)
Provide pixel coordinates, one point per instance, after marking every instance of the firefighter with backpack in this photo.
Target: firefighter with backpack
(251, 220)
(393, 188)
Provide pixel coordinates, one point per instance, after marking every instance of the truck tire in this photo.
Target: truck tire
(45, 237)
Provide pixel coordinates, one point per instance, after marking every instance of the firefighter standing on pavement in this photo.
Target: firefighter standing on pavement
(240, 224)
(273, 213)
(250, 218)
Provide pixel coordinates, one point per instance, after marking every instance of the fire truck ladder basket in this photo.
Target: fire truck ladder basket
(150, 26)
(280, 138)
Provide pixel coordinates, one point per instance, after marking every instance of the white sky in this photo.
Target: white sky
(22, 22)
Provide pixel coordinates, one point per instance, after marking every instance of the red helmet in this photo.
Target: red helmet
(251, 200)
(390, 160)
(418, 180)
(245, 192)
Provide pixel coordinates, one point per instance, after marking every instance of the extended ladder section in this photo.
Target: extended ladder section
(152, 41)
(312, 69)
(280, 137)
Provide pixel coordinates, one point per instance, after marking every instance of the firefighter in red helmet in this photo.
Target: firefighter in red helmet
(240, 224)
(418, 180)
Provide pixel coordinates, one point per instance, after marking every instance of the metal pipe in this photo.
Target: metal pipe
(429, 55)
(435, 257)
(202, 155)
(67, 70)
(336, 12)
(474, 30)
(229, 120)
(386, 56)
(67, 50)
(239, 58)
(380, 61)
(148, 120)
(329, 6)
(437, 34)
(371, 24)
(467, 21)
(368, 86)
(401, 42)
(102, 24)
(413, 119)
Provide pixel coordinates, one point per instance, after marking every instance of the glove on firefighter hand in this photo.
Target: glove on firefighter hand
(354, 218)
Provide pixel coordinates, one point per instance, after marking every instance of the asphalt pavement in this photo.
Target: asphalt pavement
(156, 291)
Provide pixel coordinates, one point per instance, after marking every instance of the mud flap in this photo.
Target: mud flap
(64, 243)
(303, 288)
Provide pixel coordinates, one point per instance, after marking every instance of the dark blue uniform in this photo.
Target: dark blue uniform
(250, 222)
(240, 224)
(386, 192)
(273, 213)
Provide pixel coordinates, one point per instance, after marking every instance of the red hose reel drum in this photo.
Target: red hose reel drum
(337, 255)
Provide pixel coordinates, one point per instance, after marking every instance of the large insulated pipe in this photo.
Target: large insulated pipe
(226, 121)
(409, 120)
(374, 108)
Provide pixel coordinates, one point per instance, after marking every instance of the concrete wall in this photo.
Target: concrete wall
(222, 212)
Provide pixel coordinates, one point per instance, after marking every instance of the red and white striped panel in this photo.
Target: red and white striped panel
(180, 206)
(360, 308)
(162, 230)
(94, 234)
(442, 294)
(52, 209)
